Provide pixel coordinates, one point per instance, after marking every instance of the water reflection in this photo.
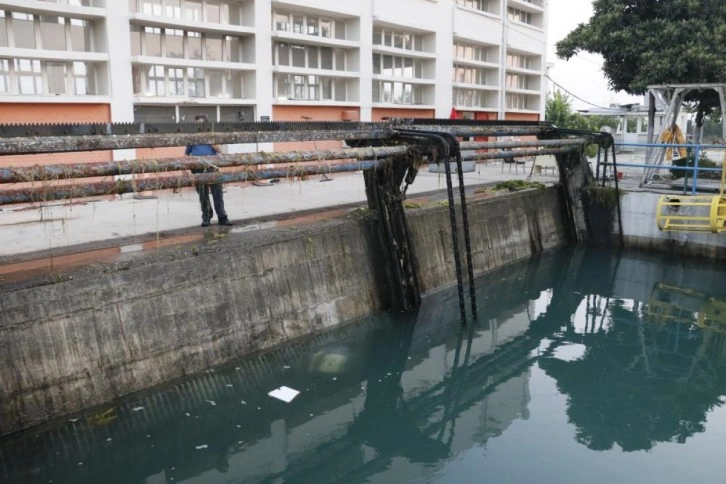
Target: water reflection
(638, 352)
(649, 373)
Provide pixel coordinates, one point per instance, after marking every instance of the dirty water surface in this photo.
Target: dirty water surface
(584, 365)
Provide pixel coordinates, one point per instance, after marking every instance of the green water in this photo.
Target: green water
(583, 367)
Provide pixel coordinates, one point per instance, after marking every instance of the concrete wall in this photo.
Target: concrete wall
(111, 331)
(641, 231)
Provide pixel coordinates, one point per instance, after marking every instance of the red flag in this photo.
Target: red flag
(454, 114)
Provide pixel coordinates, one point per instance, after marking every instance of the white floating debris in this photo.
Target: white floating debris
(212, 403)
(286, 367)
(203, 446)
(229, 385)
(188, 414)
(73, 420)
(239, 426)
(136, 409)
(80, 463)
(335, 378)
(237, 368)
(148, 436)
(312, 415)
(243, 402)
(388, 374)
(284, 393)
(109, 439)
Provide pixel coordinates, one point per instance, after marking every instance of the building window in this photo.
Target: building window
(521, 61)
(176, 81)
(151, 42)
(518, 15)
(398, 66)
(196, 82)
(310, 88)
(3, 30)
(481, 5)
(397, 92)
(35, 77)
(474, 75)
(521, 102)
(29, 75)
(194, 49)
(151, 7)
(190, 82)
(156, 81)
(57, 77)
(311, 25)
(53, 33)
(212, 11)
(398, 39)
(48, 32)
(4, 76)
(473, 98)
(519, 81)
(24, 30)
(309, 56)
(183, 44)
(479, 53)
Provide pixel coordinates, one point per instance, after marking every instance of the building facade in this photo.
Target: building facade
(166, 60)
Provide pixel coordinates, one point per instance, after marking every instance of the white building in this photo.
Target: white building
(162, 60)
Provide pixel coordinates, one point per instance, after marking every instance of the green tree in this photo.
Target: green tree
(645, 42)
(558, 111)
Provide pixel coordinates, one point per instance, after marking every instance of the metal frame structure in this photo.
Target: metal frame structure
(389, 153)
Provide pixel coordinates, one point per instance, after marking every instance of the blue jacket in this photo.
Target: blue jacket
(201, 150)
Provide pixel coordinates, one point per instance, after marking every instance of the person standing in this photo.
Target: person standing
(204, 189)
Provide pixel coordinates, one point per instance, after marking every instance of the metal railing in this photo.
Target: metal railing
(685, 168)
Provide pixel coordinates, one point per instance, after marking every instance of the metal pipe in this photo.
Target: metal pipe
(473, 155)
(129, 167)
(476, 145)
(493, 131)
(48, 193)
(59, 144)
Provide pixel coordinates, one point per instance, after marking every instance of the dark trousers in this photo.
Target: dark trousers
(204, 189)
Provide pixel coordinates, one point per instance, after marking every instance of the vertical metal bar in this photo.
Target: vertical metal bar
(467, 238)
(597, 165)
(696, 155)
(605, 166)
(455, 237)
(617, 196)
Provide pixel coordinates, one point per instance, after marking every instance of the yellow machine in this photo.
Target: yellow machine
(694, 213)
(682, 305)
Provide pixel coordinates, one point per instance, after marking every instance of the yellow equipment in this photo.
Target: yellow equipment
(694, 213)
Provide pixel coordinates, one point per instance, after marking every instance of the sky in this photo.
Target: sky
(582, 74)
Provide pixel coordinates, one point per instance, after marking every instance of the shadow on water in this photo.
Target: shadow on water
(417, 387)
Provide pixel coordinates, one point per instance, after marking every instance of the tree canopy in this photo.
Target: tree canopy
(646, 42)
(558, 111)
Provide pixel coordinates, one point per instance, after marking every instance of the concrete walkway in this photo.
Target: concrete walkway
(32, 230)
